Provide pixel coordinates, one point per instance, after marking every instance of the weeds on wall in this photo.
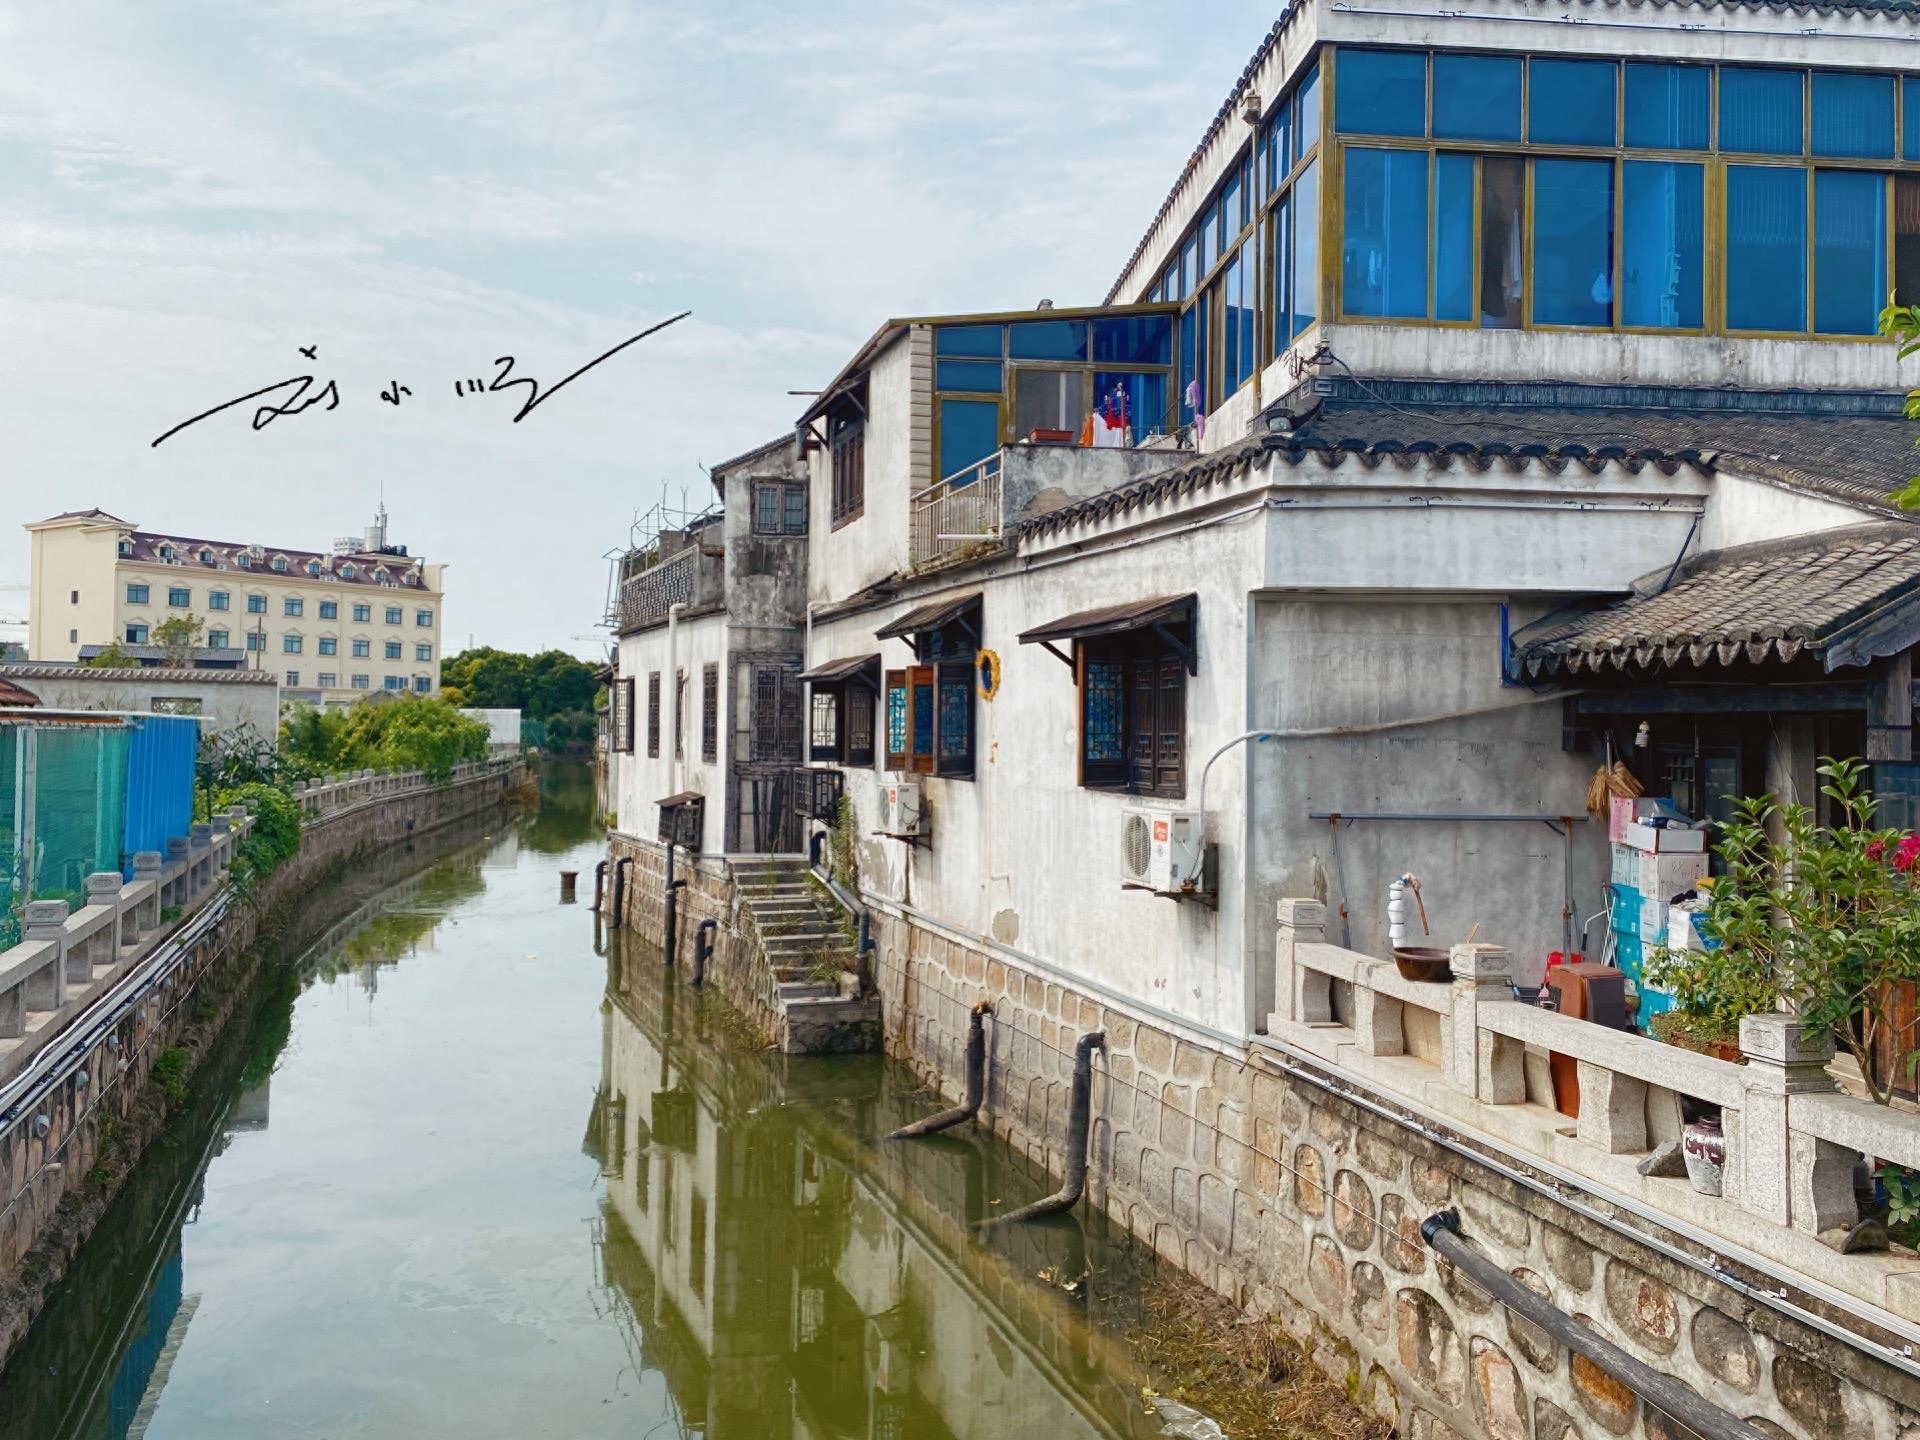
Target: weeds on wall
(841, 843)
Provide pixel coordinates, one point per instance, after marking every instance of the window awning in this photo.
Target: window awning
(928, 617)
(848, 667)
(1156, 614)
(685, 797)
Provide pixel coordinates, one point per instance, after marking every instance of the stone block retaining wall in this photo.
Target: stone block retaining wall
(1301, 1204)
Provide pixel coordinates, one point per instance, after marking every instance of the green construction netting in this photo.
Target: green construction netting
(73, 825)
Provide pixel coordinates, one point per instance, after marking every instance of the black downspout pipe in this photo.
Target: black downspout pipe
(599, 885)
(1442, 1234)
(863, 965)
(670, 934)
(816, 843)
(702, 948)
(620, 892)
(1079, 1127)
(976, 1083)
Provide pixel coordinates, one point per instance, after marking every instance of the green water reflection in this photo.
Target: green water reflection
(456, 1172)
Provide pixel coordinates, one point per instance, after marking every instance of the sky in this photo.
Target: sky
(192, 192)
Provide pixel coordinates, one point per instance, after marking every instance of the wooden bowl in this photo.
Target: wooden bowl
(1429, 964)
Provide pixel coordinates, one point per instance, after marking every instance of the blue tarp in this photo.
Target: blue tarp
(160, 765)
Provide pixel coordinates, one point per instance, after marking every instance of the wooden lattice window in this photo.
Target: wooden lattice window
(653, 714)
(679, 714)
(849, 468)
(710, 713)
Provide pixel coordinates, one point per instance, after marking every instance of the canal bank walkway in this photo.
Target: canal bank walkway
(465, 1176)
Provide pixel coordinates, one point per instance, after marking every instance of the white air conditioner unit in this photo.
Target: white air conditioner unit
(901, 814)
(1160, 850)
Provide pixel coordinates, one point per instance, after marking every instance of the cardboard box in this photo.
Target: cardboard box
(1653, 924)
(1626, 865)
(1685, 930)
(1620, 814)
(1652, 841)
(1664, 876)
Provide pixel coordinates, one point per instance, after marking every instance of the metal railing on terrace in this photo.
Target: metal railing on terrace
(954, 516)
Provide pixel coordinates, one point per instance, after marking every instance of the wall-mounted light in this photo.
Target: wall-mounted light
(1250, 107)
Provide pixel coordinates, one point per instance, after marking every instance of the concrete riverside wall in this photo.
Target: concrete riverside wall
(1294, 1201)
(736, 968)
(53, 1131)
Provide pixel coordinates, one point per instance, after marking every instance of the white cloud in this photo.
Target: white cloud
(188, 192)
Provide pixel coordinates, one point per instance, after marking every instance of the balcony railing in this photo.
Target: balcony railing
(645, 598)
(954, 516)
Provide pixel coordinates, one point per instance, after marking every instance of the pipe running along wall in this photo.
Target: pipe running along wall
(618, 919)
(1442, 1234)
(976, 1083)
(702, 948)
(1079, 1126)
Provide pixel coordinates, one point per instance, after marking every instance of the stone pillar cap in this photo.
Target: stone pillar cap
(104, 882)
(177, 847)
(202, 830)
(1779, 1039)
(1483, 962)
(44, 912)
(1302, 914)
(145, 861)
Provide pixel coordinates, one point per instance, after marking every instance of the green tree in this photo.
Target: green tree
(178, 637)
(1902, 322)
(114, 658)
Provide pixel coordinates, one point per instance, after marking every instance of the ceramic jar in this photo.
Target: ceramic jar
(1705, 1148)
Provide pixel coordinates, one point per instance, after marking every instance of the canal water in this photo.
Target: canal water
(465, 1169)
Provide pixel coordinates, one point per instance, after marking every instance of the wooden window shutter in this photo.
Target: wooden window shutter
(710, 713)
(679, 714)
(953, 697)
(1142, 692)
(922, 723)
(857, 724)
(653, 714)
(896, 719)
(1170, 758)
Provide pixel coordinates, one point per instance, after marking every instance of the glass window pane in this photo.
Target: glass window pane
(1053, 400)
(1853, 116)
(1281, 258)
(1231, 211)
(1662, 244)
(969, 432)
(1573, 242)
(1766, 248)
(1170, 283)
(1452, 236)
(1188, 274)
(967, 375)
(1384, 261)
(1381, 92)
(1133, 399)
(1570, 102)
(1279, 147)
(1476, 97)
(1305, 290)
(1306, 114)
(967, 340)
(1669, 107)
(1048, 340)
(1134, 340)
(1760, 110)
(1849, 251)
(1910, 120)
(1906, 238)
(1236, 318)
(1503, 189)
(1193, 361)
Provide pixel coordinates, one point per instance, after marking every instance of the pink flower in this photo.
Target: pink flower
(1907, 853)
(1876, 849)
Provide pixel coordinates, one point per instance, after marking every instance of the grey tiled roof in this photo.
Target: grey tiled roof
(1838, 595)
(1853, 448)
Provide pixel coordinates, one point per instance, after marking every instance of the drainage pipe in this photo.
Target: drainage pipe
(599, 885)
(618, 920)
(702, 948)
(1442, 1233)
(1079, 1126)
(670, 934)
(976, 1083)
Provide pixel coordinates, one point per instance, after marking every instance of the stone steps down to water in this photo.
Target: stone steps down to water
(811, 953)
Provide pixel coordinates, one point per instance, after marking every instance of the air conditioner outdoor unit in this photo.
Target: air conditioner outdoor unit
(900, 811)
(1160, 850)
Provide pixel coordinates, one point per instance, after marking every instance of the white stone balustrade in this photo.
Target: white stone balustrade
(1467, 1051)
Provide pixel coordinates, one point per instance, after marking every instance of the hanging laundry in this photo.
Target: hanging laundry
(1193, 407)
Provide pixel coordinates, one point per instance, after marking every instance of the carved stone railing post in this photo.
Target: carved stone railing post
(45, 923)
(1480, 1062)
(1301, 995)
(1790, 1179)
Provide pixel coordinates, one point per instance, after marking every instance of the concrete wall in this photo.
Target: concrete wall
(873, 546)
(640, 781)
(227, 700)
(1295, 1201)
(72, 557)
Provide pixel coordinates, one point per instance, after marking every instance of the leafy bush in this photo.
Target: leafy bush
(275, 837)
(414, 733)
(170, 1073)
(1827, 917)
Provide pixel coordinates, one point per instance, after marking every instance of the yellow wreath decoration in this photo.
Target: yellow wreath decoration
(987, 667)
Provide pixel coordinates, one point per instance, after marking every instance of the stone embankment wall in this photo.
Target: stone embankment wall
(734, 968)
(1298, 1201)
(68, 1138)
